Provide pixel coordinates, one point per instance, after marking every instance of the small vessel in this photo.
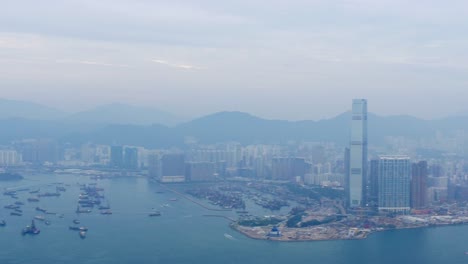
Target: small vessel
(33, 199)
(35, 191)
(82, 234)
(18, 210)
(156, 213)
(32, 230)
(11, 206)
(76, 221)
(173, 199)
(19, 203)
(16, 213)
(2, 223)
(80, 211)
(41, 209)
(39, 217)
(104, 207)
(78, 228)
(61, 216)
(106, 212)
(228, 236)
(47, 222)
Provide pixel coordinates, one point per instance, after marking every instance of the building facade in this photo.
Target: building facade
(419, 185)
(394, 184)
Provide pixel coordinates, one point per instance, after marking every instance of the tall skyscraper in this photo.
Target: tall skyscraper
(358, 154)
(419, 185)
(394, 184)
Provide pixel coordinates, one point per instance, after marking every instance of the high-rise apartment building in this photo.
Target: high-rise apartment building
(358, 154)
(419, 185)
(394, 184)
(116, 159)
(131, 158)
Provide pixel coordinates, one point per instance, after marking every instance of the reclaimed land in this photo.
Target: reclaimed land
(342, 231)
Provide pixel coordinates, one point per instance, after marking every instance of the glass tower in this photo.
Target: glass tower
(358, 154)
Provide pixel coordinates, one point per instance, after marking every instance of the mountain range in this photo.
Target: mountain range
(127, 125)
(115, 113)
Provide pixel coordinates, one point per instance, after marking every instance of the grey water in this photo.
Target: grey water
(183, 235)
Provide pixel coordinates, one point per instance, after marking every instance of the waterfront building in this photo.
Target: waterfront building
(373, 192)
(154, 165)
(39, 151)
(173, 167)
(358, 154)
(9, 157)
(394, 177)
(288, 168)
(116, 159)
(200, 171)
(130, 158)
(419, 185)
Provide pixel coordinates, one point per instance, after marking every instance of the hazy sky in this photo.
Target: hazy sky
(303, 59)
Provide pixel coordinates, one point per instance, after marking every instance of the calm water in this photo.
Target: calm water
(183, 235)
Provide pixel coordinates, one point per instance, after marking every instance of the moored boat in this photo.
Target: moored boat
(32, 230)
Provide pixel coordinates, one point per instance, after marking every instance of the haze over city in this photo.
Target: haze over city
(242, 131)
(275, 59)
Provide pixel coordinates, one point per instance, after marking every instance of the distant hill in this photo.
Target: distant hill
(117, 113)
(223, 127)
(20, 109)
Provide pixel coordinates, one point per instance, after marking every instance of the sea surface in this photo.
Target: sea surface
(182, 234)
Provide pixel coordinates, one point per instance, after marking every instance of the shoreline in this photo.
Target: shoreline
(244, 231)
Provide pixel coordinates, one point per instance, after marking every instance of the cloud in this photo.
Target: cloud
(178, 66)
(89, 62)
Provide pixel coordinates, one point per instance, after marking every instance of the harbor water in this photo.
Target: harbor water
(182, 234)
